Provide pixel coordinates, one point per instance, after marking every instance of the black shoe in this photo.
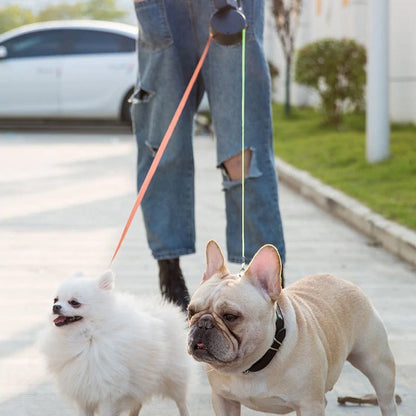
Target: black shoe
(172, 283)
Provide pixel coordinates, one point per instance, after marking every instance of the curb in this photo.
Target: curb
(393, 237)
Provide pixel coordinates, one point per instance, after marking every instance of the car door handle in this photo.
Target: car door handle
(117, 66)
(46, 70)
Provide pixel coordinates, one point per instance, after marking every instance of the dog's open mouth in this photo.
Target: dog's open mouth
(62, 320)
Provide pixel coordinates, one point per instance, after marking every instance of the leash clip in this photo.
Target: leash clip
(243, 269)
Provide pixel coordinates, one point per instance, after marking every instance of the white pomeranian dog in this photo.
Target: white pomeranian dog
(110, 355)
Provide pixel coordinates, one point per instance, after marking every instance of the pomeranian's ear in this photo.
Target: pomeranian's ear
(106, 281)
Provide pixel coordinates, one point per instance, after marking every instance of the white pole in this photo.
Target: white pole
(377, 122)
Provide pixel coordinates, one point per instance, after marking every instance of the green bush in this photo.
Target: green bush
(336, 70)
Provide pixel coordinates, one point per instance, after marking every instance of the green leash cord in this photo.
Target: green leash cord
(243, 100)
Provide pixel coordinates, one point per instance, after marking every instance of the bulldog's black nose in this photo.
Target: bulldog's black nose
(206, 322)
(56, 308)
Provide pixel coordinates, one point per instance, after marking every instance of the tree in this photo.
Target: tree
(287, 14)
(62, 12)
(14, 16)
(103, 10)
(92, 9)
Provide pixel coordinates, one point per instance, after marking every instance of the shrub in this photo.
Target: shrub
(336, 70)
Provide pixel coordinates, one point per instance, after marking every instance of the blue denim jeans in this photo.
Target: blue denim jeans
(172, 36)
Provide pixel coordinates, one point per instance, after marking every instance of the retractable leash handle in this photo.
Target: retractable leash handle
(227, 26)
(227, 22)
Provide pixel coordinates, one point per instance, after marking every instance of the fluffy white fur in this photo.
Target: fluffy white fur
(120, 353)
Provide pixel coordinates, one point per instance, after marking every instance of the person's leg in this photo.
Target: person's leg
(223, 83)
(166, 62)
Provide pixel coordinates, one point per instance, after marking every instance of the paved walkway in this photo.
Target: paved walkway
(64, 201)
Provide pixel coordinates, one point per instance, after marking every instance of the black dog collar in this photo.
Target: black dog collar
(279, 336)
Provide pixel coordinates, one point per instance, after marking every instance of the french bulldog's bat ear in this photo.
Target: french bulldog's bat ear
(215, 261)
(106, 281)
(265, 269)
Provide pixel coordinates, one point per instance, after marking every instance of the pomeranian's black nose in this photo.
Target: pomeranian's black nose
(56, 308)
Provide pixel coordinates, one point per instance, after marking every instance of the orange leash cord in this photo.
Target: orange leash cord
(162, 147)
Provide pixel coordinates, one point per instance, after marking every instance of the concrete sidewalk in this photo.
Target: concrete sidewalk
(64, 201)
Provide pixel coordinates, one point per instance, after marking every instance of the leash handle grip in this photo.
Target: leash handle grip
(227, 22)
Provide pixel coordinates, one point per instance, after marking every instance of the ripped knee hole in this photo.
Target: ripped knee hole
(233, 165)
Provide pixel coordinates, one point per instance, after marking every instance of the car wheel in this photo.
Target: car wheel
(126, 108)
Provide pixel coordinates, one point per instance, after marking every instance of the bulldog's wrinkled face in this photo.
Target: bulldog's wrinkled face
(231, 318)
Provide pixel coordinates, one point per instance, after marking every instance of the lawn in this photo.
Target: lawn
(337, 158)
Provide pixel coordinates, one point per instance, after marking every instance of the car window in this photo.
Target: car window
(33, 44)
(94, 41)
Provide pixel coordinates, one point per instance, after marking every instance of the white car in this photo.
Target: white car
(68, 69)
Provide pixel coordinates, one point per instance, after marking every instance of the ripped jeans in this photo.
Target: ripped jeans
(172, 36)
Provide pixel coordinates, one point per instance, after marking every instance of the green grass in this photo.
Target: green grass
(337, 157)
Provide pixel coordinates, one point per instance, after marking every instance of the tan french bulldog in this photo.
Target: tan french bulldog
(280, 350)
